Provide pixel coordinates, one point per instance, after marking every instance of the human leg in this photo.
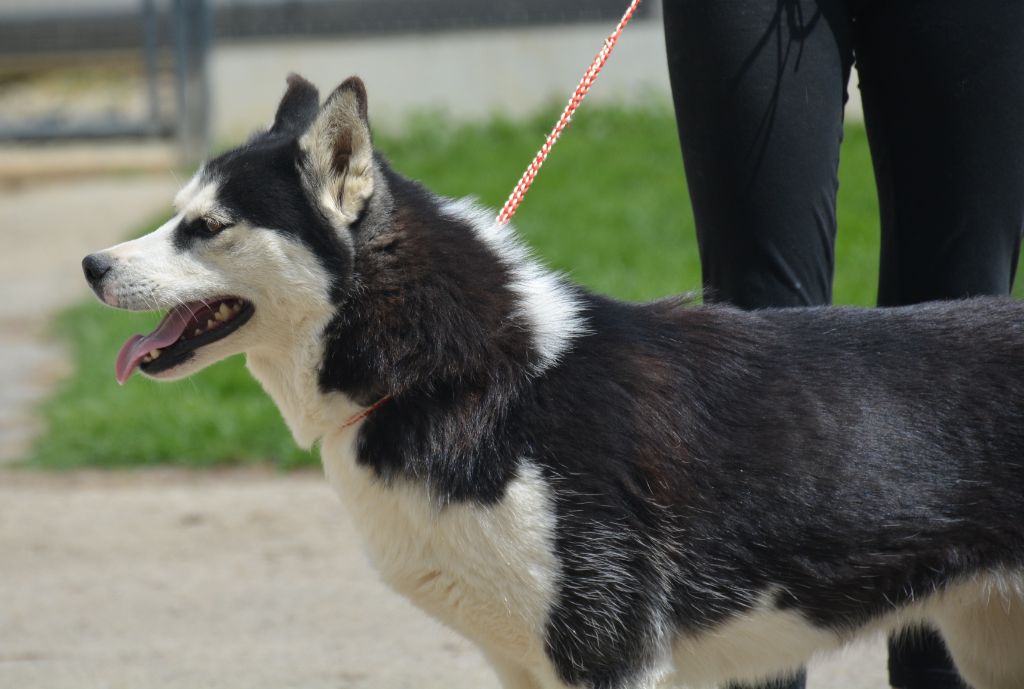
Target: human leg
(759, 90)
(941, 82)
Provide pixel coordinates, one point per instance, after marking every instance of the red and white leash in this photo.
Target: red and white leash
(516, 197)
(356, 418)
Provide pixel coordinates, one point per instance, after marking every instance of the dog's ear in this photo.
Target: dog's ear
(339, 153)
(298, 107)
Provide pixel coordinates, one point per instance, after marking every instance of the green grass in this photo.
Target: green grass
(609, 208)
(216, 417)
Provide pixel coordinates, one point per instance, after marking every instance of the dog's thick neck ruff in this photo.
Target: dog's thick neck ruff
(600, 494)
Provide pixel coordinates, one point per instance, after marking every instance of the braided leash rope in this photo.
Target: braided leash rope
(516, 197)
(356, 418)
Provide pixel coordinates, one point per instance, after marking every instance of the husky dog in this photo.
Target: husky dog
(598, 494)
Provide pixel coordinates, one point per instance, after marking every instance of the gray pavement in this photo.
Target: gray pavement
(172, 580)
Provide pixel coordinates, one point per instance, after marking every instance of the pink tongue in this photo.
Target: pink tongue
(137, 346)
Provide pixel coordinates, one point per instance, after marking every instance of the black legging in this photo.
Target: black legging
(759, 88)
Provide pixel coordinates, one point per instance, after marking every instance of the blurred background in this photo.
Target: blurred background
(170, 536)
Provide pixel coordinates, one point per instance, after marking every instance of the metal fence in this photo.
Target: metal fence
(168, 41)
(28, 28)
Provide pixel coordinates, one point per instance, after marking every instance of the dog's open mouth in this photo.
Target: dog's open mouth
(183, 330)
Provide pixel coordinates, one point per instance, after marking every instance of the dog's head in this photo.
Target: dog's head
(261, 243)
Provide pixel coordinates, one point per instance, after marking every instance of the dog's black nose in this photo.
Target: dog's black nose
(95, 267)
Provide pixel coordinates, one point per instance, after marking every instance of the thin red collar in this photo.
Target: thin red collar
(366, 412)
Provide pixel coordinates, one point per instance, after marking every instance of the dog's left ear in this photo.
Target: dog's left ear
(339, 154)
(298, 107)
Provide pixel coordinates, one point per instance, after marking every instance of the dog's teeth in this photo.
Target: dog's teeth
(223, 313)
(197, 332)
(146, 359)
(236, 307)
(155, 354)
(210, 324)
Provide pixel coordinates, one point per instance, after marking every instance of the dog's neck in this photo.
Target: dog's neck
(288, 371)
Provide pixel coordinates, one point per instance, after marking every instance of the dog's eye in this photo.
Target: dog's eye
(214, 226)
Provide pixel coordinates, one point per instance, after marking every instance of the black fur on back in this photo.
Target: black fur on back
(840, 461)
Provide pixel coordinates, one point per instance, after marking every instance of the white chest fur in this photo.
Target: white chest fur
(487, 571)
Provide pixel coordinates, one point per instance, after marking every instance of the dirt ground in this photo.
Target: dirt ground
(178, 580)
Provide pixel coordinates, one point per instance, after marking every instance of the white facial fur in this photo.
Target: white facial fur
(284, 281)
